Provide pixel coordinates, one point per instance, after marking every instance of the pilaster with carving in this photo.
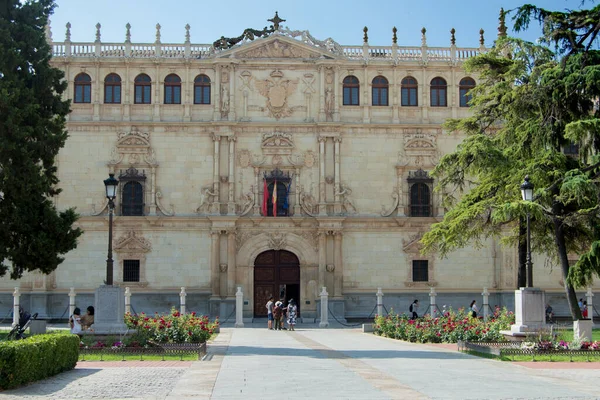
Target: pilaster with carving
(339, 264)
(216, 170)
(231, 183)
(322, 199)
(231, 253)
(215, 281)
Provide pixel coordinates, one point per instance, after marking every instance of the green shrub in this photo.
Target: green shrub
(37, 357)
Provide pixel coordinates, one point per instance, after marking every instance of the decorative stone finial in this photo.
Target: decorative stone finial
(502, 24)
(157, 33)
(394, 36)
(98, 26)
(452, 37)
(68, 33)
(187, 33)
(276, 21)
(128, 33)
(423, 37)
(481, 39)
(366, 37)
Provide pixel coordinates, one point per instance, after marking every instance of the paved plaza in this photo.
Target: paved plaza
(255, 363)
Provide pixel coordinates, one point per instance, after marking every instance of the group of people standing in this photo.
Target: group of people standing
(277, 313)
(414, 307)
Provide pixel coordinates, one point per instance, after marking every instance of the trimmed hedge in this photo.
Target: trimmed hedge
(37, 357)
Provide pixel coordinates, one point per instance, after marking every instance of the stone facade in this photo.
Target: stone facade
(275, 105)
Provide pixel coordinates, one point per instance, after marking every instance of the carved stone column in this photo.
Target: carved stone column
(322, 116)
(157, 101)
(125, 92)
(400, 185)
(231, 262)
(322, 200)
(216, 189)
(297, 210)
(187, 99)
(215, 90)
(338, 263)
(96, 88)
(366, 102)
(322, 258)
(152, 202)
(338, 95)
(232, 107)
(395, 93)
(231, 184)
(257, 201)
(215, 281)
(337, 185)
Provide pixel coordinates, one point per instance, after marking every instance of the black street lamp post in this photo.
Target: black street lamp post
(111, 185)
(527, 193)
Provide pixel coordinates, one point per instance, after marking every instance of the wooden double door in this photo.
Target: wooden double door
(277, 274)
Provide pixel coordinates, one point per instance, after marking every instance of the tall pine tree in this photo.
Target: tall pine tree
(33, 234)
(529, 104)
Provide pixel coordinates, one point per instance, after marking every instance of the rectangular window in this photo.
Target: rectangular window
(376, 94)
(350, 96)
(420, 270)
(131, 270)
(83, 93)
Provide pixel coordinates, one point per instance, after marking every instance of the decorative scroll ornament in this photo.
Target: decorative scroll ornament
(396, 198)
(277, 143)
(246, 203)
(278, 49)
(169, 213)
(308, 203)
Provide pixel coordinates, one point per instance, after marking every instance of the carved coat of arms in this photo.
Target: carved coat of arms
(277, 90)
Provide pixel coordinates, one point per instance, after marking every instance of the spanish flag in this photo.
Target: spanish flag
(275, 199)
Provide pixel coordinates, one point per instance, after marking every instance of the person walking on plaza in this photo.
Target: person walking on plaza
(270, 313)
(473, 308)
(413, 309)
(292, 311)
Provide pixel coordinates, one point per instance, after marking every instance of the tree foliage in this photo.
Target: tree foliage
(528, 105)
(33, 234)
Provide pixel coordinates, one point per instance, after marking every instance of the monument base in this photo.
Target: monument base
(109, 310)
(583, 329)
(530, 309)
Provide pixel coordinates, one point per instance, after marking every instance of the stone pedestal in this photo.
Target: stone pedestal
(583, 329)
(109, 310)
(226, 308)
(39, 304)
(529, 310)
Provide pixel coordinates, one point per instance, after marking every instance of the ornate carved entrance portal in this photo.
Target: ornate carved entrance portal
(277, 274)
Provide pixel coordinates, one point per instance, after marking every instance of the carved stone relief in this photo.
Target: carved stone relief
(278, 49)
(276, 240)
(277, 143)
(208, 203)
(277, 91)
(132, 242)
(345, 192)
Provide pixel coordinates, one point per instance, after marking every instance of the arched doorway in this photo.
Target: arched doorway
(277, 274)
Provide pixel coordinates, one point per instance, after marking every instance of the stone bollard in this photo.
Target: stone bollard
(485, 305)
(590, 305)
(379, 302)
(71, 301)
(432, 302)
(182, 295)
(127, 301)
(324, 309)
(16, 299)
(239, 308)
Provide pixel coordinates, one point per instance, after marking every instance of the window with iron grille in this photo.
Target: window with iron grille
(571, 150)
(420, 272)
(131, 270)
(132, 200)
(420, 200)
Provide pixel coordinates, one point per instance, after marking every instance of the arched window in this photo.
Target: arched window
(420, 200)
(438, 92)
(143, 88)
(172, 89)
(202, 90)
(464, 86)
(112, 89)
(380, 91)
(83, 88)
(132, 202)
(351, 89)
(409, 92)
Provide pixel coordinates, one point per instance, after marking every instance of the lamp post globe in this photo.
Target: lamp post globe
(527, 194)
(111, 184)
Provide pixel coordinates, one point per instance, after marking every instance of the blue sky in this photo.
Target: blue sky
(341, 20)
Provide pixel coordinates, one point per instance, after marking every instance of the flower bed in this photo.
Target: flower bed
(171, 328)
(541, 348)
(451, 327)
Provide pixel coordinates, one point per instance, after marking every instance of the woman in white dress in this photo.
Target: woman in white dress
(75, 321)
(292, 311)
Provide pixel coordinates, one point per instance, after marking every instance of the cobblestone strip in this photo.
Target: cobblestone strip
(199, 380)
(379, 379)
